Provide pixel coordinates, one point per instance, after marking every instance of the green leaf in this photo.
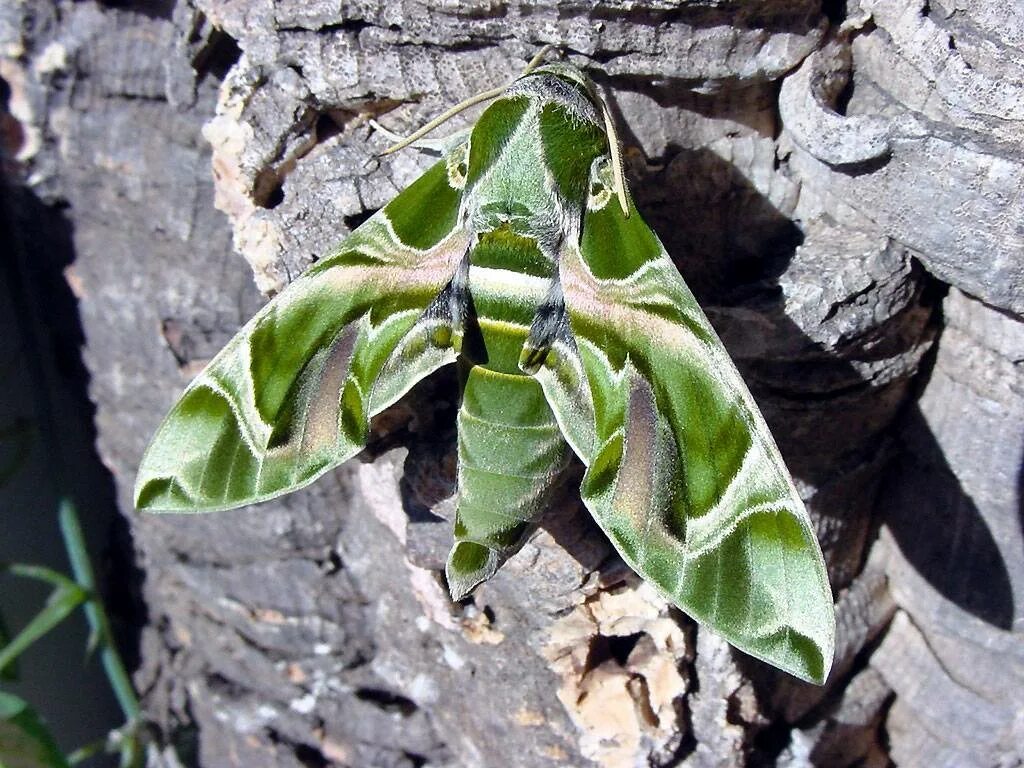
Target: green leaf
(9, 672)
(25, 741)
(94, 748)
(61, 602)
(40, 573)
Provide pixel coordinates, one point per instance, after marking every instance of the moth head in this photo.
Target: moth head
(563, 82)
(565, 71)
(567, 85)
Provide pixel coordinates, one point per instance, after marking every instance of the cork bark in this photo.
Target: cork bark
(840, 184)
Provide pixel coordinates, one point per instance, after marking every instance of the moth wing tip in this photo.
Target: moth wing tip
(469, 565)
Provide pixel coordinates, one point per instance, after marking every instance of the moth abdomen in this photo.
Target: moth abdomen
(511, 457)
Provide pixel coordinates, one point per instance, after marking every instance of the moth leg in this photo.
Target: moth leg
(441, 146)
(550, 325)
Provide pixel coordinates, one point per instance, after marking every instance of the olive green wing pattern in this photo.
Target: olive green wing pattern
(682, 472)
(523, 242)
(290, 396)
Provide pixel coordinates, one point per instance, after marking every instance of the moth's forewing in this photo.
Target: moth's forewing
(289, 396)
(683, 474)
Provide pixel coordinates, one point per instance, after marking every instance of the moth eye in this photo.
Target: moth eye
(599, 196)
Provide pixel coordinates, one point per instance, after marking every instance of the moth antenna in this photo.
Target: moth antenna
(395, 137)
(615, 150)
(444, 117)
(538, 58)
(448, 114)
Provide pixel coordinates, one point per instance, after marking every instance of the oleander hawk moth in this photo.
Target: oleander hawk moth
(521, 257)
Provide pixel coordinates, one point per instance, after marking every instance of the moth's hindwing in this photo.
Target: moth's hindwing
(290, 396)
(683, 474)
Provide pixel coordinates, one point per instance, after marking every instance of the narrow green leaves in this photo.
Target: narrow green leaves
(66, 596)
(25, 741)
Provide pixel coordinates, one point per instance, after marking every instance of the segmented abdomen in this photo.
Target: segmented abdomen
(511, 450)
(511, 455)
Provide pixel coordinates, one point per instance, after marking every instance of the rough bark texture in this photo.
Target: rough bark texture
(842, 187)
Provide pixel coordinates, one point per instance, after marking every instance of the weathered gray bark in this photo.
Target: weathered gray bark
(841, 187)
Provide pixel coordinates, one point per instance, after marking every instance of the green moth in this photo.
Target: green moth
(520, 257)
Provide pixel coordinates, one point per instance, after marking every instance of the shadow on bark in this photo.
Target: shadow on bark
(940, 531)
(41, 251)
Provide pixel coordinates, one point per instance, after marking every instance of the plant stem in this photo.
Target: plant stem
(95, 613)
(40, 369)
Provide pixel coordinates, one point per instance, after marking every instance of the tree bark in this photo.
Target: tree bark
(842, 188)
